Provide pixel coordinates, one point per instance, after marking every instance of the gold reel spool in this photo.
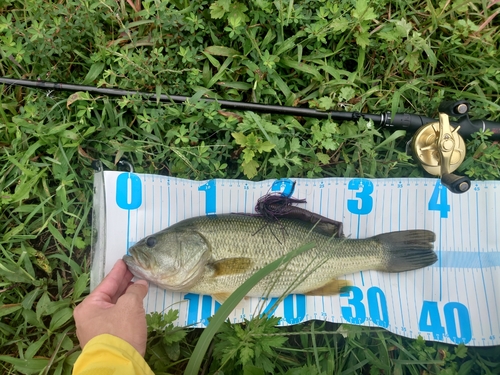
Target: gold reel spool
(441, 150)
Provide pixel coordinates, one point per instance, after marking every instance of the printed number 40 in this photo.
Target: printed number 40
(456, 317)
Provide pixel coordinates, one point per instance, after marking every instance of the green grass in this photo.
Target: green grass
(374, 56)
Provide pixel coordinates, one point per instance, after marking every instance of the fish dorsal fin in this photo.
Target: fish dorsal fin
(334, 286)
(231, 266)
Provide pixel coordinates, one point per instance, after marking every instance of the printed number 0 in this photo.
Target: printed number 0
(128, 191)
(363, 205)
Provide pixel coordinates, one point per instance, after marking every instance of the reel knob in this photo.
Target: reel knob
(440, 150)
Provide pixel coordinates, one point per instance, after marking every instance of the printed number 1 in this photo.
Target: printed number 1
(210, 190)
(439, 200)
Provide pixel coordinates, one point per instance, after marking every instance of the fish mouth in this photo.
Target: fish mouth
(135, 260)
(135, 266)
(129, 261)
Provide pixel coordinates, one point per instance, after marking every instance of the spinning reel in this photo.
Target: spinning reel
(439, 148)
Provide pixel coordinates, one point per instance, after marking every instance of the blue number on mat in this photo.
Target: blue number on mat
(271, 307)
(128, 191)
(463, 322)
(194, 300)
(439, 200)
(356, 313)
(206, 308)
(377, 306)
(363, 205)
(285, 185)
(289, 315)
(210, 196)
(430, 321)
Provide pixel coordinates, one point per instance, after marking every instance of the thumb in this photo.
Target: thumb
(138, 289)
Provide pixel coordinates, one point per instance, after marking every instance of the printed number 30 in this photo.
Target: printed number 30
(363, 205)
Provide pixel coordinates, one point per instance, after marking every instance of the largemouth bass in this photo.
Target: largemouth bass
(214, 255)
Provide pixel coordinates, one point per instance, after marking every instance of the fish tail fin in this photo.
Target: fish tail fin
(407, 250)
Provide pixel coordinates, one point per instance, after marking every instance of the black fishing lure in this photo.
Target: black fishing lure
(275, 206)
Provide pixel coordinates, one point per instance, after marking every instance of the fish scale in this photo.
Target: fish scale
(216, 254)
(264, 241)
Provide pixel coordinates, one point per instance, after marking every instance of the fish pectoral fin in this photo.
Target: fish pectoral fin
(221, 297)
(334, 286)
(231, 266)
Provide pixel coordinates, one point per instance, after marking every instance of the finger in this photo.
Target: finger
(113, 284)
(137, 290)
(123, 286)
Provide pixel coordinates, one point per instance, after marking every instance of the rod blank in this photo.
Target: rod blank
(404, 121)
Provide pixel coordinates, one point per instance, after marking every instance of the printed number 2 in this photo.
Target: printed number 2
(439, 200)
(363, 205)
(292, 314)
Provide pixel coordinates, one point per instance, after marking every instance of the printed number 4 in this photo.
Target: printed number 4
(439, 200)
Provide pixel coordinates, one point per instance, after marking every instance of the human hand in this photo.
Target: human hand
(114, 307)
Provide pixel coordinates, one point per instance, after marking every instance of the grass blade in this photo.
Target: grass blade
(221, 315)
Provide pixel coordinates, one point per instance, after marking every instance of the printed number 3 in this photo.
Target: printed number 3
(363, 205)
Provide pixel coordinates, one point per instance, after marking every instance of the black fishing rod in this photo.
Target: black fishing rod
(437, 144)
(405, 121)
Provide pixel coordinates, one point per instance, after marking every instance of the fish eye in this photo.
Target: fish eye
(151, 241)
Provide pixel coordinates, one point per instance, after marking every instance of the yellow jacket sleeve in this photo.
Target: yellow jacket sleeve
(109, 355)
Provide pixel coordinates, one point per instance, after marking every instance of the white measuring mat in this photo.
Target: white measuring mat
(456, 300)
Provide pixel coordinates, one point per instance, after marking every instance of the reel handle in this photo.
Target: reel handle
(455, 183)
